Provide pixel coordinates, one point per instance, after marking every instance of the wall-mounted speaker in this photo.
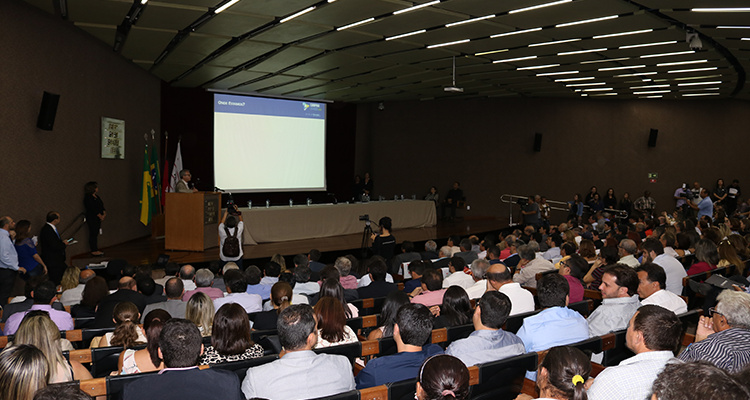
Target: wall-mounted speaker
(48, 111)
(537, 142)
(652, 137)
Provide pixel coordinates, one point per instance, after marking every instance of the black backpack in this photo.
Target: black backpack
(231, 244)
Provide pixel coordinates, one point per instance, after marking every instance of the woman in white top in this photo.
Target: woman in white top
(231, 227)
(145, 360)
(332, 288)
(332, 328)
(127, 333)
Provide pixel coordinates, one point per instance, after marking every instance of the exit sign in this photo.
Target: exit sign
(653, 175)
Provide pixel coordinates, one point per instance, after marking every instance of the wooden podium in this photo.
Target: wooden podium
(192, 221)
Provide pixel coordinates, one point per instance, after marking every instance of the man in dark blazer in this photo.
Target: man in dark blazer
(127, 291)
(53, 248)
(378, 287)
(313, 257)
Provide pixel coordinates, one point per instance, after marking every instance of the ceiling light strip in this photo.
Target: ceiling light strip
(633, 46)
(484, 53)
(470, 20)
(681, 63)
(364, 21)
(568, 53)
(585, 84)
(598, 89)
(726, 9)
(700, 83)
(554, 3)
(694, 89)
(623, 67)
(538, 67)
(557, 73)
(605, 60)
(507, 60)
(218, 10)
(586, 21)
(295, 15)
(574, 79)
(699, 94)
(678, 71)
(653, 92)
(677, 53)
(417, 7)
(515, 32)
(403, 35)
(555, 42)
(623, 33)
(448, 43)
(732, 27)
(649, 87)
(636, 74)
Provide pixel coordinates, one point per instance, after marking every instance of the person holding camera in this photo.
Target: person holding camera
(384, 244)
(531, 213)
(230, 232)
(682, 195)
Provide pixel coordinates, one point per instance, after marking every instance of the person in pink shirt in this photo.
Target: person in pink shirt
(344, 265)
(431, 292)
(203, 280)
(574, 268)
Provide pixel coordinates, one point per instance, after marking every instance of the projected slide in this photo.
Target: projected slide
(268, 145)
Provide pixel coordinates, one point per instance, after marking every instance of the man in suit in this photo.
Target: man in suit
(430, 251)
(182, 185)
(313, 257)
(180, 346)
(174, 304)
(466, 252)
(127, 291)
(299, 373)
(407, 255)
(53, 248)
(378, 287)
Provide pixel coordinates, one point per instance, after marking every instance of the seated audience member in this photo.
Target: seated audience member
(412, 330)
(230, 337)
(668, 240)
(145, 360)
(180, 347)
(12, 308)
(127, 334)
(378, 286)
(466, 252)
(313, 258)
(23, 371)
(73, 296)
(281, 298)
(458, 277)
(627, 249)
(554, 242)
(653, 251)
(653, 335)
(619, 288)
(452, 243)
(302, 284)
(514, 258)
(407, 255)
(347, 280)
(171, 270)
(127, 291)
(332, 287)
(93, 293)
(430, 251)
(174, 304)
(723, 339)
(218, 269)
(237, 293)
(697, 380)
(501, 279)
(556, 325)
(416, 269)
(707, 255)
(455, 309)
(200, 310)
(332, 327)
(431, 293)
(651, 288)
(489, 342)
(147, 287)
(478, 271)
(253, 276)
(203, 281)
(288, 278)
(607, 256)
(61, 392)
(271, 272)
(529, 266)
(324, 374)
(43, 296)
(493, 255)
(366, 280)
(568, 249)
(563, 373)
(443, 258)
(38, 330)
(393, 302)
(442, 377)
(574, 268)
(187, 273)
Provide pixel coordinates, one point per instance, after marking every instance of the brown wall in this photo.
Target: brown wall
(42, 170)
(487, 146)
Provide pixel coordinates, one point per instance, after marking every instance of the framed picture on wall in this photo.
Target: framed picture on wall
(113, 138)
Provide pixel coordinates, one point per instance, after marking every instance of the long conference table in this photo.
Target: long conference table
(284, 223)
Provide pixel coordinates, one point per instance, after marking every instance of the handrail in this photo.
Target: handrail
(512, 198)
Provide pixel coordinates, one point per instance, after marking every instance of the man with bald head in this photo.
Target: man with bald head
(500, 278)
(627, 249)
(126, 291)
(174, 304)
(74, 296)
(187, 273)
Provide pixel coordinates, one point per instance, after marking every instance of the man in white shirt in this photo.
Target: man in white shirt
(618, 288)
(74, 296)
(478, 270)
(652, 279)
(457, 277)
(231, 227)
(627, 249)
(529, 266)
(654, 252)
(236, 285)
(668, 240)
(553, 241)
(501, 279)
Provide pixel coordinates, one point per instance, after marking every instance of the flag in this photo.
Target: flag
(176, 168)
(155, 179)
(147, 192)
(165, 186)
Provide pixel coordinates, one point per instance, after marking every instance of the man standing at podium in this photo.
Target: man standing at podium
(182, 185)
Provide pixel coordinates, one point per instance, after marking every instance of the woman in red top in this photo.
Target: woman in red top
(707, 255)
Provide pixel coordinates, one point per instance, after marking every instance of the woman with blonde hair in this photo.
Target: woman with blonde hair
(23, 371)
(279, 259)
(70, 278)
(728, 256)
(37, 329)
(127, 332)
(200, 310)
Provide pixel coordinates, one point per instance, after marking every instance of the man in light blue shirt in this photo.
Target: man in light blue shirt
(8, 260)
(489, 342)
(705, 207)
(557, 325)
(620, 301)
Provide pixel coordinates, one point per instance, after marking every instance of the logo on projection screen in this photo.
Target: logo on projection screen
(308, 105)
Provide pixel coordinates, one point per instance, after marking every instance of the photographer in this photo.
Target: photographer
(384, 244)
(230, 232)
(531, 213)
(682, 195)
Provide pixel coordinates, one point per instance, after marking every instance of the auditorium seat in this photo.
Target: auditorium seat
(503, 379)
(619, 350)
(350, 395)
(513, 324)
(583, 307)
(402, 390)
(240, 367)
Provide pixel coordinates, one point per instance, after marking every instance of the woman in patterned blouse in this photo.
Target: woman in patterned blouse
(230, 337)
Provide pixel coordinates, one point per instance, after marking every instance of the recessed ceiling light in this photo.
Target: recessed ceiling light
(636, 74)
(651, 97)
(700, 83)
(681, 63)
(447, 43)
(218, 10)
(678, 71)
(293, 16)
(633, 46)
(603, 94)
(733, 27)
(691, 78)
(406, 34)
(554, 3)
(623, 33)
(584, 94)
(555, 42)
(745, 38)
(605, 89)
(568, 53)
(605, 60)
(586, 84)
(364, 21)
(586, 21)
(624, 67)
(649, 87)
(538, 67)
(417, 7)
(557, 73)
(653, 92)
(727, 9)
(574, 79)
(700, 94)
(507, 60)
(515, 32)
(490, 52)
(698, 89)
(466, 21)
(668, 54)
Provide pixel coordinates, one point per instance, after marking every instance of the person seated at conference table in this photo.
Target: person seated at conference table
(367, 185)
(433, 195)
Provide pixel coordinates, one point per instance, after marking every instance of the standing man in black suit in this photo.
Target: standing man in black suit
(454, 195)
(53, 248)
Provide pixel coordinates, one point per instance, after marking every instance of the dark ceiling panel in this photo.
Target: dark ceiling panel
(344, 12)
(104, 33)
(195, 3)
(274, 8)
(195, 48)
(146, 44)
(233, 80)
(228, 24)
(285, 59)
(289, 32)
(200, 76)
(243, 52)
(155, 16)
(97, 11)
(325, 63)
(167, 71)
(408, 22)
(337, 40)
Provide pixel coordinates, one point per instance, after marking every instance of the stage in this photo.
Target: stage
(147, 250)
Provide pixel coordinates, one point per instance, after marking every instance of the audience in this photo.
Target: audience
(574, 268)
(324, 374)
(230, 337)
(281, 298)
(302, 284)
(528, 266)
(147, 287)
(500, 278)
(253, 276)
(344, 266)
(407, 255)
(127, 333)
(653, 251)
(203, 281)
(698, 381)
(489, 342)
(23, 371)
(627, 250)
(607, 256)
(393, 302)
(378, 286)
(174, 304)
(74, 295)
(442, 377)
(237, 293)
(478, 271)
(430, 251)
(563, 373)
(94, 291)
(43, 296)
(431, 293)
(457, 275)
(455, 309)
(61, 392)
(200, 310)
(707, 255)
(180, 347)
(331, 287)
(653, 335)
(313, 258)
(187, 273)
(271, 272)
(20, 306)
(127, 291)
(416, 270)
(145, 360)
(466, 252)
(651, 288)
(619, 301)
(332, 328)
